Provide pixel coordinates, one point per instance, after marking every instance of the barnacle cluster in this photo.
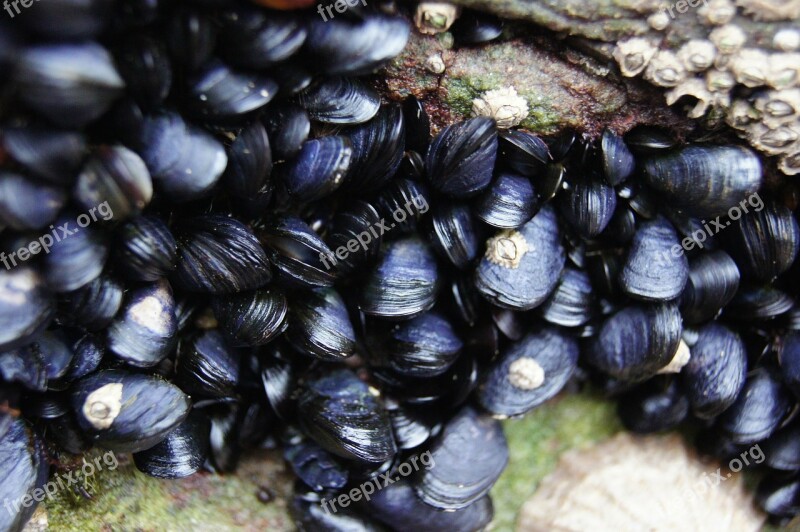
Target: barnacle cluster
(755, 88)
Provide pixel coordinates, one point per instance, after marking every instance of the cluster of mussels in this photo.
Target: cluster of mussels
(214, 235)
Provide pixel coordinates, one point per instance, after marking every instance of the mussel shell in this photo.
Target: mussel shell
(207, 367)
(288, 127)
(88, 351)
(649, 140)
(705, 180)
(424, 346)
(300, 255)
(94, 305)
(399, 508)
(637, 341)
(145, 331)
(252, 318)
(338, 411)
(779, 496)
(249, 162)
(522, 267)
(509, 202)
(23, 468)
(185, 161)
(651, 271)
(25, 204)
(418, 125)
(219, 255)
(181, 453)
(26, 306)
(411, 428)
(618, 161)
(525, 153)
(50, 154)
(69, 84)
(319, 169)
(320, 326)
(308, 513)
(378, 148)
(572, 302)
(589, 206)
(759, 410)
(461, 158)
(406, 197)
(254, 39)
(765, 242)
(404, 283)
(128, 412)
(716, 371)
(758, 303)
(782, 449)
(47, 358)
(191, 36)
(474, 27)
(349, 225)
(116, 177)
(789, 358)
(468, 438)
(68, 19)
(315, 466)
(355, 46)
(147, 250)
(454, 234)
(340, 101)
(713, 282)
(145, 66)
(528, 373)
(76, 258)
(654, 406)
(221, 95)
(279, 381)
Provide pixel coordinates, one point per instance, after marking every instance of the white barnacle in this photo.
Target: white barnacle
(659, 20)
(695, 88)
(786, 39)
(778, 140)
(665, 70)
(103, 405)
(771, 9)
(697, 55)
(526, 374)
(633, 55)
(681, 357)
(504, 105)
(741, 114)
(435, 64)
(720, 80)
(717, 12)
(784, 70)
(789, 164)
(750, 67)
(435, 17)
(506, 248)
(778, 107)
(728, 39)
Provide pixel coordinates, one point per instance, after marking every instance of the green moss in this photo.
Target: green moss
(126, 499)
(537, 441)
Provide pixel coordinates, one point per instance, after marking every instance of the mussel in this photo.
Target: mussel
(461, 158)
(128, 412)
